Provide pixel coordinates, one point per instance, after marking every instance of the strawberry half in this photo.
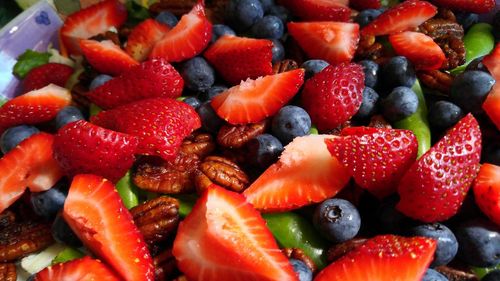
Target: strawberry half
(151, 79)
(419, 48)
(29, 165)
(389, 152)
(49, 73)
(334, 95)
(106, 57)
(319, 10)
(304, 174)
(254, 100)
(492, 103)
(225, 238)
(187, 39)
(84, 269)
(472, 6)
(34, 107)
(385, 257)
(487, 191)
(143, 37)
(334, 42)
(84, 148)
(160, 124)
(402, 17)
(365, 4)
(91, 21)
(435, 186)
(95, 212)
(238, 58)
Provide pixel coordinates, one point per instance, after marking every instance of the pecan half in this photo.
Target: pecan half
(22, 239)
(165, 265)
(436, 79)
(221, 171)
(378, 121)
(284, 66)
(200, 144)
(368, 48)
(454, 274)
(337, 130)
(8, 272)
(298, 254)
(337, 251)
(235, 136)
(6, 219)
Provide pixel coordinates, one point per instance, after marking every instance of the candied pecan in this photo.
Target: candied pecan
(298, 254)
(337, 130)
(368, 48)
(447, 14)
(454, 274)
(108, 35)
(21, 239)
(436, 79)
(284, 66)
(454, 50)
(221, 171)
(6, 219)
(337, 251)
(235, 136)
(165, 265)
(378, 121)
(8, 272)
(79, 96)
(197, 143)
(439, 29)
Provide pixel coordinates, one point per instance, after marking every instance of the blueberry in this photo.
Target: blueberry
(492, 276)
(469, 90)
(466, 20)
(13, 136)
(478, 243)
(368, 105)
(389, 219)
(371, 72)
(268, 27)
(366, 16)
(432, 275)
(247, 13)
(278, 51)
(302, 270)
(218, 30)
(198, 75)
(47, 203)
(263, 150)
(62, 233)
(194, 102)
(313, 66)
(67, 115)
(400, 103)
(210, 121)
(281, 12)
(477, 64)
(99, 80)
(213, 91)
(267, 4)
(337, 220)
(444, 114)
(290, 122)
(447, 245)
(167, 18)
(398, 71)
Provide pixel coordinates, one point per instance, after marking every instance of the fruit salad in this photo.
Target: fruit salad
(285, 140)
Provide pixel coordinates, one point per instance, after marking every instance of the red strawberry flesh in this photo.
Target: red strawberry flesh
(471, 6)
(487, 191)
(319, 10)
(84, 269)
(419, 48)
(50, 73)
(106, 57)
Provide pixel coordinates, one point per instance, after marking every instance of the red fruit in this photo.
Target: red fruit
(472, 6)
(487, 191)
(365, 4)
(254, 100)
(106, 57)
(50, 73)
(334, 42)
(160, 124)
(419, 48)
(91, 21)
(385, 257)
(239, 58)
(319, 10)
(29, 165)
(95, 212)
(402, 17)
(334, 95)
(435, 186)
(34, 107)
(225, 238)
(84, 148)
(304, 174)
(143, 37)
(377, 160)
(155, 78)
(84, 269)
(187, 39)
(492, 62)
(492, 105)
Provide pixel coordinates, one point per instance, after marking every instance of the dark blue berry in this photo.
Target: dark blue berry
(167, 18)
(313, 66)
(62, 233)
(366, 16)
(99, 80)
(13, 136)
(492, 276)
(218, 30)
(268, 27)
(210, 121)
(198, 75)
(67, 115)
(267, 4)
(47, 203)
(291, 122)
(389, 219)
(466, 20)
(444, 114)
(368, 105)
(478, 243)
(213, 91)
(281, 12)
(469, 90)
(263, 150)
(278, 51)
(447, 245)
(432, 275)
(400, 103)
(247, 13)
(477, 64)
(398, 71)
(371, 72)
(337, 220)
(194, 102)
(302, 270)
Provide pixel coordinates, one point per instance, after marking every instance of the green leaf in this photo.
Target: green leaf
(67, 7)
(136, 13)
(29, 60)
(67, 254)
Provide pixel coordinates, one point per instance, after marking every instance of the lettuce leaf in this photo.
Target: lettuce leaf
(29, 60)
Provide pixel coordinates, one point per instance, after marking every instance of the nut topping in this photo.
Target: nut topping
(8, 272)
(22, 239)
(6, 219)
(378, 121)
(454, 274)
(437, 80)
(235, 136)
(298, 254)
(199, 144)
(165, 265)
(284, 66)
(222, 172)
(337, 251)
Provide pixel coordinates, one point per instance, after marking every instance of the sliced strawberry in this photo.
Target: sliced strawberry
(474, 6)
(304, 174)
(419, 48)
(334, 42)
(487, 191)
(106, 57)
(84, 269)
(254, 100)
(319, 10)
(160, 124)
(31, 165)
(239, 58)
(402, 17)
(143, 37)
(334, 95)
(187, 39)
(151, 79)
(492, 62)
(225, 238)
(435, 186)
(91, 21)
(365, 4)
(84, 148)
(492, 105)
(389, 152)
(50, 73)
(385, 257)
(95, 212)
(34, 107)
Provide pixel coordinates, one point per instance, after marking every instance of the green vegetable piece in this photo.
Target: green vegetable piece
(3, 100)
(478, 41)
(67, 7)
(136, 13)
(313, 130)
(67, 254)
(29, 60)
(480, 272)
(417, 122)
(186, 203)
(127, 191)
(94, 109)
